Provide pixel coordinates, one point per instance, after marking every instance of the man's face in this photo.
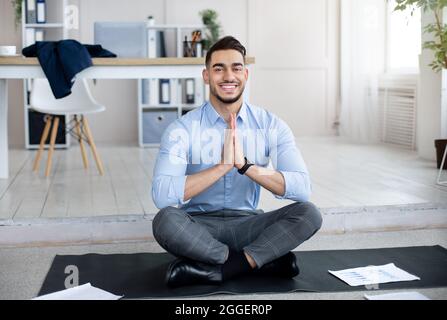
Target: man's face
(226, 75)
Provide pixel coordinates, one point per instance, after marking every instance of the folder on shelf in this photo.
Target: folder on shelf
(189, 91)
(161, 45)
(207, 93)
(30, 9)
(165, 91)
(39, 35)
(199, 98)
(145, 91)
(41, 16)
(175, 87)
(30, 36)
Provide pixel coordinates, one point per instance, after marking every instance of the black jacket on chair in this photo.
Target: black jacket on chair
(62, 60)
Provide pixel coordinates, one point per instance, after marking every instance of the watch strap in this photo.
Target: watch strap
(245, 166)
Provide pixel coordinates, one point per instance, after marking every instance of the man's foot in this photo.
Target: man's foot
(285, 267)
(182, 272)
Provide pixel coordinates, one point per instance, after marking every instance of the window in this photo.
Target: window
(403, 40)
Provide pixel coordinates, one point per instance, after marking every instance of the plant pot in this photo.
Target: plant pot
(440, 145)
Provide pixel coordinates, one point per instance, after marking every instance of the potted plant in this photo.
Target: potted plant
(17, 4)
(438, 46)
(209, 19)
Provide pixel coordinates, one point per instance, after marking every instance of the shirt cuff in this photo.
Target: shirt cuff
(286, 185)
(297, 187)
(178, 185)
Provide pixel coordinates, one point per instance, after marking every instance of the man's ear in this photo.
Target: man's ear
(205, 76)
(246, 74)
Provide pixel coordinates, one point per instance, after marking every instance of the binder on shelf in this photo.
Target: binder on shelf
(207, 92)
(145, 91)
(30, 36)
(161, 45)
(30, 9)
(165, 91)
(175, 86)
(152, 43)
(199, 51)
(190, 91)
(41, 8)
(199, 92)
(39, 35)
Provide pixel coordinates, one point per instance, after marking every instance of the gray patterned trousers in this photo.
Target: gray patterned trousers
(207, 237)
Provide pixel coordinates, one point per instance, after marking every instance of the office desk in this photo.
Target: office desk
(103, 68)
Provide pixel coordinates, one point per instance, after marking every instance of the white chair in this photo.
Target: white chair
(78, 103)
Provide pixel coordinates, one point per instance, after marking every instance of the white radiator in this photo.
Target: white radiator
(397, 99)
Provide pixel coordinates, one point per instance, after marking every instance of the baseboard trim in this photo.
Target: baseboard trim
(131, 228)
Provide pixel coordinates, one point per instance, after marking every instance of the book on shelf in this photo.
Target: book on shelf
(41, 14)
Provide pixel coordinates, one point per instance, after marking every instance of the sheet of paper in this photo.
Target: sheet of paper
(83, 292)
(405, 295)
(373, 275)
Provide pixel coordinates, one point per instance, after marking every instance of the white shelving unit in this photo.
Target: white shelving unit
(153, 116)
(53, 29)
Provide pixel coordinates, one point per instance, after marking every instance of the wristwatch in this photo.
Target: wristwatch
(245, 166)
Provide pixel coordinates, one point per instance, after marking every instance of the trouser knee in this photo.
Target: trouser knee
(163, 222)
(309, 213)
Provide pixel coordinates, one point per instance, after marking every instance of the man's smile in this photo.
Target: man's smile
(228, 87)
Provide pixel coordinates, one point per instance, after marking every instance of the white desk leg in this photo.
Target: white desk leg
(4, 168)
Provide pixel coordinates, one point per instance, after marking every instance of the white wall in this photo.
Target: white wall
(295, 43)
(429, 101)
(10, 35)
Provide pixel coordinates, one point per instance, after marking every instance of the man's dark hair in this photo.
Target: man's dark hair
(225, 43)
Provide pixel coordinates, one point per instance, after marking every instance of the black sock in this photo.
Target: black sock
(235, 265)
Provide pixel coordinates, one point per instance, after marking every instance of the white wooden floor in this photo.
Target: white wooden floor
(343, 175)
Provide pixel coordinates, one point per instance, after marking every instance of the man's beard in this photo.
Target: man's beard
(226, 100)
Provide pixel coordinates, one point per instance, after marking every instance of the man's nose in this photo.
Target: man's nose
(229, 75)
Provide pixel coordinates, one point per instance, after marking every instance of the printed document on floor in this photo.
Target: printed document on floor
(373, 275)
(83, 292)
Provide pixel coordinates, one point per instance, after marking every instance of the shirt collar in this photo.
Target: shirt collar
(213, 116)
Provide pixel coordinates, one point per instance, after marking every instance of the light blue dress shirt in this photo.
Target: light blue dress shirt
(194, 143)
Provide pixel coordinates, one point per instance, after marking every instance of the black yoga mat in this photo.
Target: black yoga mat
(141, 275)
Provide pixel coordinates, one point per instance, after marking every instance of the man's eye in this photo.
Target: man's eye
(218, 69)
(238, 69)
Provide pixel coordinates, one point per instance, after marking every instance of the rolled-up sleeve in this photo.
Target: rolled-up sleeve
(287, 159)
(168, 182)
